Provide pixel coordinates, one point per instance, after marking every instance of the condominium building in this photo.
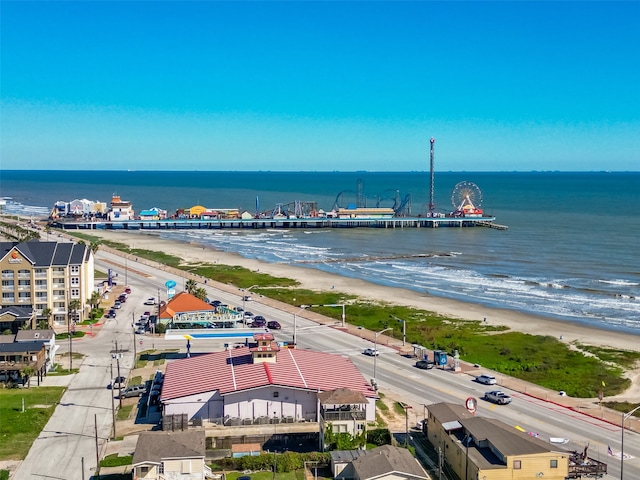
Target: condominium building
(47, 275)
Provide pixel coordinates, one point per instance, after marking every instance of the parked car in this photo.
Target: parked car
(117, 304)
(122, 298)
(372, 352)
(150, 301)
(497, 396)
(118, 382)
(248, 314)
(273, 325)
(127, 290)
(216, 303)
(424, 364)
(111, 313)
(486, 379)
(258, 322)
(134, 391)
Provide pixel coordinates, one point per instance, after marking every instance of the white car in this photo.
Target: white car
(486, 379)
(372, 352)
(150, 301)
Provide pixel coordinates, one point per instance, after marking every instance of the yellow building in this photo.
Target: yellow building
(488, 449)
(47, 275)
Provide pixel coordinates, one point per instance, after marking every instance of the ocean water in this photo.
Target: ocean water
(571, 251)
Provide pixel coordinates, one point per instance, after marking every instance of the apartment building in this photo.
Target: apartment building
(47, 275)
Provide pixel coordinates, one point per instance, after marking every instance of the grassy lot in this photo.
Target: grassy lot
(19, 429)
(544, 360)
(124, 412)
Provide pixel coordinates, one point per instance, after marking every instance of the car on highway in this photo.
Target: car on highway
(150, 301)
(424, 365)
(274, 325)
(486, 379)
(497, 396)
(134, 391)
(246, 298)
(372, 352)
(258, 322)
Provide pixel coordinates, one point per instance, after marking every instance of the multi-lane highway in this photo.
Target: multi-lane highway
(70, 434)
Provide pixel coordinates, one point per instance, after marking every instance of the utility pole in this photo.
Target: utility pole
(133, 322)
(119, 382)
(113, 406)
(69, 332)
(95, 423)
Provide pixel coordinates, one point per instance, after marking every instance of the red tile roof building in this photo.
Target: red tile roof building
(259, 381)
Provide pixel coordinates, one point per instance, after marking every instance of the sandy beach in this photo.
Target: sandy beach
(317, 280)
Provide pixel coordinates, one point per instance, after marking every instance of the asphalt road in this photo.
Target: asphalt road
(68, 442)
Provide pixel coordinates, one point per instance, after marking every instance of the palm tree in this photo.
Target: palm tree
(46, 313)
(200, 293)
(94, 300)
(74, 306)
(27, 372)
(191, 286)
(95, 246)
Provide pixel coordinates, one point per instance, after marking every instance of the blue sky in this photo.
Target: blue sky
(320, 86)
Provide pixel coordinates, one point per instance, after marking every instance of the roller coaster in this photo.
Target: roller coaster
(401, 207)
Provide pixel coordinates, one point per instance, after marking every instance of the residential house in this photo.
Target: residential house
(171, 455)
(16, 357)
(344, 411)
(47, 338)
(382, 463)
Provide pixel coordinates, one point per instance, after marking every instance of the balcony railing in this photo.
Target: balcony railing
(8, 288)
(58, 285)
(40, 275)
(24, 275)
(334, 415)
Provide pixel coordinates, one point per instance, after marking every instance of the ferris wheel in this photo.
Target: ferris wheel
(466, 196)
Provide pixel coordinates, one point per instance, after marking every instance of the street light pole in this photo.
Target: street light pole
(343, 305)
(295, 317)
(404, 328)
(624, 417)
(375, 351)
(275, 432)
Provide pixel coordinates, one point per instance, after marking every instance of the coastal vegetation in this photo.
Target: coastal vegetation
(579, 370)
